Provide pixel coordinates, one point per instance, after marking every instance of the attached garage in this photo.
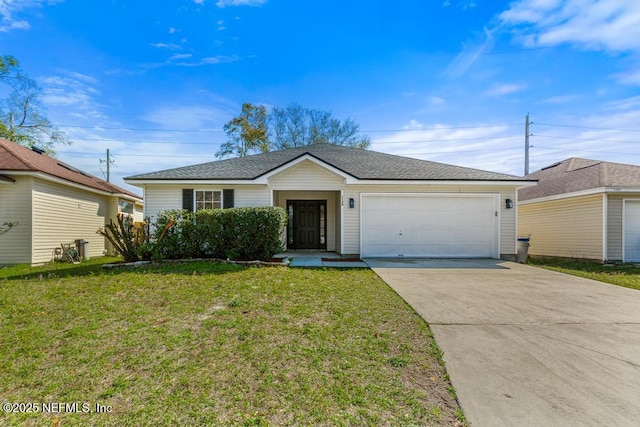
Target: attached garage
(631, 233)
(430, 225)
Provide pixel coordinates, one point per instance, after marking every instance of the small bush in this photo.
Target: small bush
(238, 233)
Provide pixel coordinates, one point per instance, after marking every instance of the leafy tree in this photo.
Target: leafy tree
(22, 115)
(295, 126)
(247, 133)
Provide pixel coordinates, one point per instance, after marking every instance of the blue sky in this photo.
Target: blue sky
(442, 80)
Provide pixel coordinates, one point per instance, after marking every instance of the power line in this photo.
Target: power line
(587, 139)
(586, 127)
(584, 151)
(221, 130)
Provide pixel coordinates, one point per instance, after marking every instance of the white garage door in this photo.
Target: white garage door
(631, 231)
(429, 225)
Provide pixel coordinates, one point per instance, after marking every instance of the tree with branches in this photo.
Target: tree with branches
(295, 126)
(247, 133)
(23, 118)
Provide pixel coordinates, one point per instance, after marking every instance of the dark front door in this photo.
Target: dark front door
(307, 227)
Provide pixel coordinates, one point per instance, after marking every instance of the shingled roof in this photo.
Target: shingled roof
(359, 163)
(16, 158)
(576, 174)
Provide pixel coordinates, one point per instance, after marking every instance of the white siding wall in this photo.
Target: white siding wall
(62, 214)
(568, 228)
(15, 205)
(351, 224)
(160, 198)
(614, 228)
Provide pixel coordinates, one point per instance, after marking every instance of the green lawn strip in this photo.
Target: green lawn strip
(626, 275)
(56, 269)
(203, 343)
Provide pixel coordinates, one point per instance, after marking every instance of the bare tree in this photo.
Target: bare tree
(22, 116)
(295, 126)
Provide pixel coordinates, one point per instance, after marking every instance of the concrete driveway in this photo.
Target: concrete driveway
(526, 346)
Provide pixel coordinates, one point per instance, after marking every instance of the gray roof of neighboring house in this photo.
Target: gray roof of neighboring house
(359, 163)
(576, 174)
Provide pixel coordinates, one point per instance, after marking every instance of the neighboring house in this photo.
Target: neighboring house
(583, 208)
(355, 201)
(53, 203)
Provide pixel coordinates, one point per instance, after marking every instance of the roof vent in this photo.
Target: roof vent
(37, 150)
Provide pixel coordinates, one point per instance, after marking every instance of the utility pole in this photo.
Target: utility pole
(526, 145)
(108, 162)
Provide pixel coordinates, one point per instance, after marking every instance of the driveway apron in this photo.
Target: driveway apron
(526, 346)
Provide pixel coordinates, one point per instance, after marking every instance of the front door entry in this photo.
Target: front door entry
(307, 224)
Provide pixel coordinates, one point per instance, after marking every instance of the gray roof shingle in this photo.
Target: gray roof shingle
(359, 163)
(576, 174)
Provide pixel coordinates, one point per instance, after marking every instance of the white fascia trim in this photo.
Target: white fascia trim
(589, 192)
(605, 226)
(192, 182)
(46, 177)
(516, 184)
(263, 179)
(581, 193)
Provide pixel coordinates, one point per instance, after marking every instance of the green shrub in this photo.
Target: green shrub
(238, 233)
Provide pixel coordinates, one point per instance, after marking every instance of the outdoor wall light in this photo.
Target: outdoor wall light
(509, 203)
(352, 203)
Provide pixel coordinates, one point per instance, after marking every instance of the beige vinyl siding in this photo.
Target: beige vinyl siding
(338, 230)
(160, 198)
(15, 206)
(306, 175)
(138, 213)
(63, 214)
(250, 195)
(329, 196)
(351, 224)
(569, 228)
(614, 227)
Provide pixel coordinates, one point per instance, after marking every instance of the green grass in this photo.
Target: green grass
(56, 269)
(627, 275)
(211, 344)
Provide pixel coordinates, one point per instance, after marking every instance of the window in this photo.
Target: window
(126, 207)
(208, 199)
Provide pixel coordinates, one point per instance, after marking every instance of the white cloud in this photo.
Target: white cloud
(171, 46)
(609, 25)
(221, 25)
(210, 60)
(188, 117)
(629, 78)
(173, 30)
(485, 146)
(504, 89)
(225, 3)
(559, 99)
(469, 55)
(10, 8)
(180, 56)
(198, 2)
(73, 90)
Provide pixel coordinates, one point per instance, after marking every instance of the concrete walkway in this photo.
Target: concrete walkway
(525, 346)
(315, 259)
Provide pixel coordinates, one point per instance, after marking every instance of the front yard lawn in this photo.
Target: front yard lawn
(211, 344)
(627, 275)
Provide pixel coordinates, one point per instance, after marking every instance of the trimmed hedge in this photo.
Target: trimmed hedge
(237, 233)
